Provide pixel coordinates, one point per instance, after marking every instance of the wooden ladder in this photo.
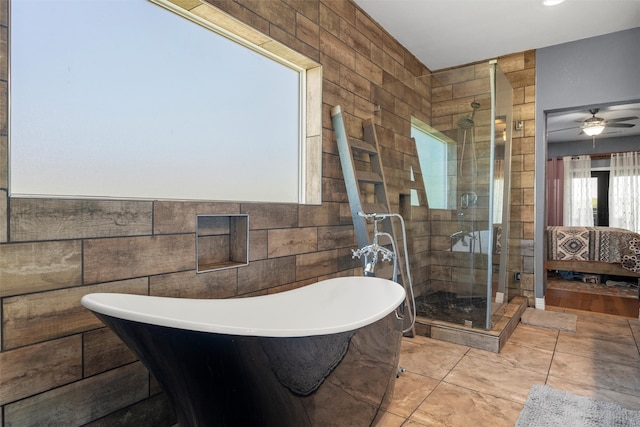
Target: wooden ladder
(351, 150)
(355, 179)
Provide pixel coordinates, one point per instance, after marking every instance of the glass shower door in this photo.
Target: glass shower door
(471, 119)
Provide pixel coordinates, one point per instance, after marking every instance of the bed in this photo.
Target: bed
(594, 250)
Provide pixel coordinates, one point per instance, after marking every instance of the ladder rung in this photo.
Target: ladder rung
(369, 177)
(374, 208)
(363, 146)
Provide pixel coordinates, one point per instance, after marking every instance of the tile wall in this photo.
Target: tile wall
(452, 92)
(58, 366)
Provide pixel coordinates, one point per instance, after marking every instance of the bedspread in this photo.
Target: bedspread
(602, 244)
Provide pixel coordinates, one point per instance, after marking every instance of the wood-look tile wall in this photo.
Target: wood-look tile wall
(520, 69)
(452, 94)
(59, 366)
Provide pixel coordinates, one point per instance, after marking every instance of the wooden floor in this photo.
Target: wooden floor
(619, 306)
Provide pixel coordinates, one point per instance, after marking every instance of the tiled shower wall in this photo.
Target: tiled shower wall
(452, 93)
(520, 70)
(58, 366)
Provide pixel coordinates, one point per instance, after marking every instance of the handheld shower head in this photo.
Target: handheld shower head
(467, 122)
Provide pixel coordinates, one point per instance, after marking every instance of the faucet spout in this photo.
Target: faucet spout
(456, 234)
(370, 269)
(461, 236)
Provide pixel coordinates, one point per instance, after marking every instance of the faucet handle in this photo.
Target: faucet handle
(387, 255)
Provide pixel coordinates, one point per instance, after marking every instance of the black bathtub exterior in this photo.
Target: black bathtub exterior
(341, 379)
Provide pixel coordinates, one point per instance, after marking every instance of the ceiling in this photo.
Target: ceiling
(449, 33)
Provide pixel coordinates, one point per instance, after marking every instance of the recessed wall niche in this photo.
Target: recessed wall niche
(222, 241)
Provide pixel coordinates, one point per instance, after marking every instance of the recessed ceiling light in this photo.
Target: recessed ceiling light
(551, 2)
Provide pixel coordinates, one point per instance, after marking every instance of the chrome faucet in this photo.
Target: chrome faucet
(373, 251)
(461, 236)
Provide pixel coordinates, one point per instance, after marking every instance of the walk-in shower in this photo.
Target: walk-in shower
(466, 280)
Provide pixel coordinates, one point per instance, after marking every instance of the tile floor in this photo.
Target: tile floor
(453, 385)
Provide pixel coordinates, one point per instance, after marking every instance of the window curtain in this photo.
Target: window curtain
(498, 191)
(577, 205)
(624, 191)
(555, 191)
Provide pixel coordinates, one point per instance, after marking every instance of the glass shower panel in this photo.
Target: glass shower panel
(503, 120)
(471, 115)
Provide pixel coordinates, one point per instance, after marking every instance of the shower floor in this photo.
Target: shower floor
(449, 307)
(505, 318)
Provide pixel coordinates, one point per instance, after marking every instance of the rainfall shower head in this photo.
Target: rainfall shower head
(467, 122)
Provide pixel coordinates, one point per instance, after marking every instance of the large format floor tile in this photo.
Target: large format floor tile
(627, 400)
(494, 379)
(430, 359)
(618, 332)
(391, 420)
(454, 385)
(410, 391)
(451, 405)
(536, 338)
(596, 348)
(635, 330)
(517, 356)
(597, 373)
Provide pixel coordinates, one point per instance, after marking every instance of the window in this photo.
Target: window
(624, 191)
(600, 197)
(438, 172)
(578, 199)
(127, 100)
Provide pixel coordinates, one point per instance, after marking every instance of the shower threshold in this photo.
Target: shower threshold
(490, 340)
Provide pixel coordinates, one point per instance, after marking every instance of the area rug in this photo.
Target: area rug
(549, 319)
(548, 407)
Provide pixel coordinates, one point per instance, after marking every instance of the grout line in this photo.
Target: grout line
(553, 356)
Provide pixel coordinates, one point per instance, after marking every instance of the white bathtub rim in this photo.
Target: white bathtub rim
(338, 305)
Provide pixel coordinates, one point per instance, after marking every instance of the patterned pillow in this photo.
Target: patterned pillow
(632, 262)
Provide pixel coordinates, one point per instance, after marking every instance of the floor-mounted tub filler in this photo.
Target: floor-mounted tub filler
(321, 355)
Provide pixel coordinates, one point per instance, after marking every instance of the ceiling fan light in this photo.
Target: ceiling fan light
(593, 130)
(551, 2)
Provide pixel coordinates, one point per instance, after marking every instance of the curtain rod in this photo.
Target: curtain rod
(598, 156)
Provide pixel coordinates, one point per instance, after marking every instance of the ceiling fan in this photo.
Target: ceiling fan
(595, 125)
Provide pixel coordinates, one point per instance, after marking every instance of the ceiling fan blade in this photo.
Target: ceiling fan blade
(560, 130)
(620, 125)
(621, 119)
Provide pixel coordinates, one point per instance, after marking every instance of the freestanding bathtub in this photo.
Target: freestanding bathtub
(321, 355)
